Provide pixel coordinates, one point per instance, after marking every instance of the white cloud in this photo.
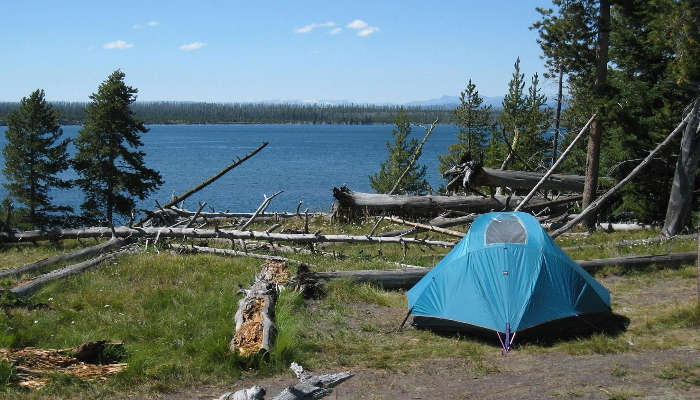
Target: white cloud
(335, 31)
(367, 31)
(117, 45)
(308, 28)
(357, 24)
(192, 46)
(150, 24)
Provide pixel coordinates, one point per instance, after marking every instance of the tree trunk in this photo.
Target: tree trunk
(681, 198)
(557, 117)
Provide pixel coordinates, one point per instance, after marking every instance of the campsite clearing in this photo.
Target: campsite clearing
(174, 314)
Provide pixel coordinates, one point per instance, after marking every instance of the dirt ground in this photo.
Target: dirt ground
(520, 374)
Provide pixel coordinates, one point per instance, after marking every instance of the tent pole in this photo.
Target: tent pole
(404, 320)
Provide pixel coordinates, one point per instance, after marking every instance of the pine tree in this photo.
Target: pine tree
(35, 155)
(474, 120)
(524, 119)
(112, 170)
(400, 154)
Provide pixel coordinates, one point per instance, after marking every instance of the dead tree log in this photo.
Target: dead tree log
(406, 278)
(471, 175)
(255, 329)
(193, 233)
(37, 283)
(46, 262)
(261, 209)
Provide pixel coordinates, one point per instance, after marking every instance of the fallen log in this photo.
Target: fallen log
(46, 262)
(261, 209)
(359, 203)
(27, 288)
(406, 278)
(482, 176)
(255, 329)
(194, 233)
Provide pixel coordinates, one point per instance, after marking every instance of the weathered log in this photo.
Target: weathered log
(205, 183)
(426, 227)
(255, 329)
(37, 283)
(406, 278)
(125, 231)
(430, 205)
(46, 262)
(253, 393)
(482, 176)
(600, 201)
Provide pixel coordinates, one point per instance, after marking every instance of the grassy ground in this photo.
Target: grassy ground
(175, 316)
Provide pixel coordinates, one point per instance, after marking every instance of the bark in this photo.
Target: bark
(37, 283)
(681, 198)
(594, 206)
(86, 252)
(206, 182)
(406, 278)
(599, 87)
(193, 233)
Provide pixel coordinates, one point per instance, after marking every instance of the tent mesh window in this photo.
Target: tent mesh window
(505, 229)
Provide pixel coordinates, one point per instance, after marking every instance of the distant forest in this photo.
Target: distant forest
(71, 113)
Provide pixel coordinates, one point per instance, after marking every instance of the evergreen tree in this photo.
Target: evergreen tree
(475, 123)
(400, 154)
(35, 155)
(524, 119)
(112, 171)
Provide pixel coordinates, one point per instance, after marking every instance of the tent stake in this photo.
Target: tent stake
(404, 320)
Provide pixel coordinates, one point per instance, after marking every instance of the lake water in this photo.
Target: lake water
(306, 161)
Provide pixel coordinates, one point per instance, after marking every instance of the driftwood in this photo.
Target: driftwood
(261, 209)
(600, 201)
(255, 329)
(309, 387)
(46, 262)
(205, 183)
(37, 283)
(406, 278)
(193, 233)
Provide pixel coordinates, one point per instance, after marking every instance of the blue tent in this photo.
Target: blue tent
(505, 275)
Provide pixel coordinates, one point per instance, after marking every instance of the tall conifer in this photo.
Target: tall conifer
(111, 168)
(35, 155)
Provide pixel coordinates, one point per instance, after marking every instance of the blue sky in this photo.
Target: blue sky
(240, 51)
